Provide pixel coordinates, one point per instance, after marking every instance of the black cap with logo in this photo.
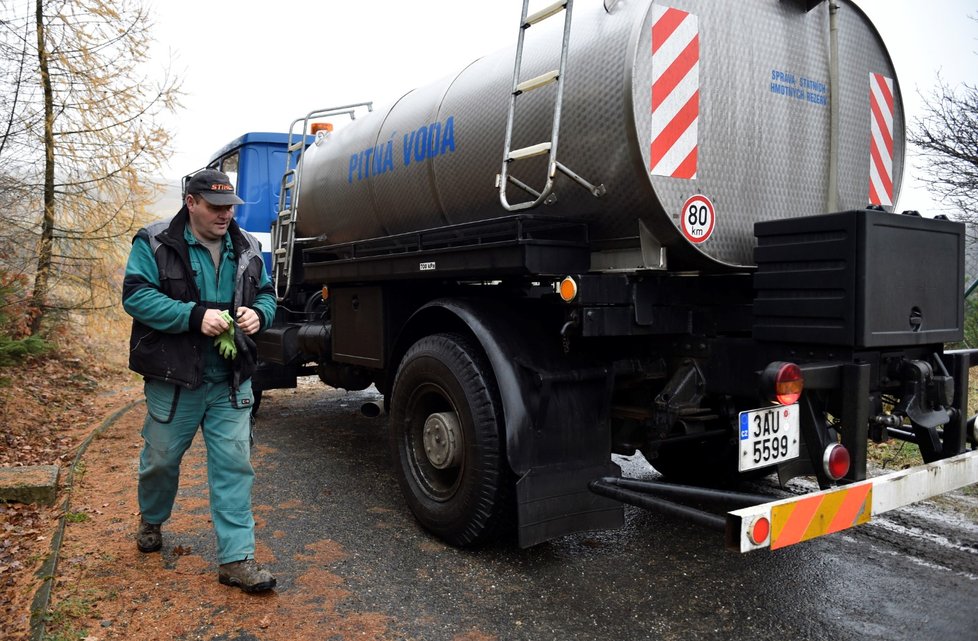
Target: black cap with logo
(213, 186)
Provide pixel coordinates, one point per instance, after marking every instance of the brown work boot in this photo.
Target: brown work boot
(148, 537)
(247, 575)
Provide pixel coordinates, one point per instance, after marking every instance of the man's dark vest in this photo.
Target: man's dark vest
(178, 358)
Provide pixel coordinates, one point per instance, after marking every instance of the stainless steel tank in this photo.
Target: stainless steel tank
(700, 117)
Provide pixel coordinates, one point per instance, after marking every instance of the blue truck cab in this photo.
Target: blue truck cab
(255, 163)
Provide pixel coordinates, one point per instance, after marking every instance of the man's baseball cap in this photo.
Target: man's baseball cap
(213, 186)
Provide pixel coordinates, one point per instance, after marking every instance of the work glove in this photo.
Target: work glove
(225, 340)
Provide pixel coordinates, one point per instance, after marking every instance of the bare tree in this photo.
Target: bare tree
(80, 116)
(947, 136)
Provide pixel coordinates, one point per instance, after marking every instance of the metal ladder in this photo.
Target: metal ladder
(519, 88)
(283, 225)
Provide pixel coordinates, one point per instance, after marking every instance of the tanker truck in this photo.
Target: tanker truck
(663, 227)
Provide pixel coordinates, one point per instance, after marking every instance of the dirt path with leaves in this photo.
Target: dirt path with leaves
(106, 589)
(48, 406)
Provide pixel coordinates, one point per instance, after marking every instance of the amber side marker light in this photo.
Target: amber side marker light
(568, 289)
(782, 383)
(316, 127)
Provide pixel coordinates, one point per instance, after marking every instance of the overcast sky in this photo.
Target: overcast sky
(250, 69)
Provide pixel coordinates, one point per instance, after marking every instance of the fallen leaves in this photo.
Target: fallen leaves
(47, 409)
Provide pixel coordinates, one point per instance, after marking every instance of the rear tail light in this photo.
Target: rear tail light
(836, 461)
(782, 383)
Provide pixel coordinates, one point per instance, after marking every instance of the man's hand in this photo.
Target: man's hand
(213, 323)
(247, 320)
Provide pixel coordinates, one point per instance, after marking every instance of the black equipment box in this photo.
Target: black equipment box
(863, 279)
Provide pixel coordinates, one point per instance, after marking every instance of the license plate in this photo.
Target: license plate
(768, 436)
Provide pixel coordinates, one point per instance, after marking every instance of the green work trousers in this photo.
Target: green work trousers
(173, 415)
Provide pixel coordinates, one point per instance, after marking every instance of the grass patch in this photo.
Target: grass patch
(894, 454)
(63, 619)
(76, 517)
(79, 471)
(70, 635)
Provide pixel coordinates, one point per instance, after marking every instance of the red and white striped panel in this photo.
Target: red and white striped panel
(675, 92)
(881, 140)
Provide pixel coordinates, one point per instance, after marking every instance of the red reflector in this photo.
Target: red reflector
(759, 530)
(788, 384)
(836, 461)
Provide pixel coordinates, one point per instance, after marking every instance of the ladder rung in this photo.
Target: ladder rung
(529, 152)
(280, 251)
(545, 13)
(539, 81)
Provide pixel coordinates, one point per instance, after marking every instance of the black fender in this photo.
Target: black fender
(556, 412)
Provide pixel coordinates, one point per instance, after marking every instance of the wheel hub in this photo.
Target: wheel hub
(441, 437)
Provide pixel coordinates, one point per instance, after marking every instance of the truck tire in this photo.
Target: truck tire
(446, 444)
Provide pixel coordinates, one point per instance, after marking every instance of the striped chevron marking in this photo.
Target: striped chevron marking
(675, 92)
(820, 514)
(800, 518)
(881, 141)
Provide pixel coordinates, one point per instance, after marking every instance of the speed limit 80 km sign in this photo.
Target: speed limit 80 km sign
(698, 218)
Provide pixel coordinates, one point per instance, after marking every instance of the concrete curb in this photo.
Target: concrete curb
(42, 598)
(29, 484)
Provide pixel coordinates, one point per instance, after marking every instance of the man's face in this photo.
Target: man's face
(208, 222)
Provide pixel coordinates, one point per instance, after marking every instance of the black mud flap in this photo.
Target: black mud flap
(555, 500)
(557, 422)
(570, 446)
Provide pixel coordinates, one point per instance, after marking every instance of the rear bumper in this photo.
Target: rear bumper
(806, 517)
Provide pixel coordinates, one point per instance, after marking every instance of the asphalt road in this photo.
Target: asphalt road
(326, 483)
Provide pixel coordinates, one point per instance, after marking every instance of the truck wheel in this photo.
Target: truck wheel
(445, 439)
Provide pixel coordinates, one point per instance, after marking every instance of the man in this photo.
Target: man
(183, 278)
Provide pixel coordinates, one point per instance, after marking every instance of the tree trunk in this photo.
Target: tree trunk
(41, 276)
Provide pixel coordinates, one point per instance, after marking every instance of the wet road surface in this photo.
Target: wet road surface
(325, 476)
